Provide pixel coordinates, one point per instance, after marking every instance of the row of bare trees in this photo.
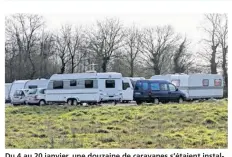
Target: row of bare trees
(216, 44)
(32, 51)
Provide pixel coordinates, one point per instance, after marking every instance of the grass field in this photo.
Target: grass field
(193, 125)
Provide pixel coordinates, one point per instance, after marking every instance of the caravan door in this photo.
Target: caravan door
(127, 90)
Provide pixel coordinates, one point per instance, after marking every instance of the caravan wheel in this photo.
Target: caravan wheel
(70, 102)
(75, 102)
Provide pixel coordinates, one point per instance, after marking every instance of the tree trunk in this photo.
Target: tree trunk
(157, 70)
(213, 64)
(72, 64)
(104, 64)
(132, 69)
(225, 74)
(62, 67)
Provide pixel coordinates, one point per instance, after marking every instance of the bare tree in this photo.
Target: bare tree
(105, 40)
(133, 45)
(181, 59)
(222, 33)
(47, 49)
(158, 45)
(61, 49)
(76, 44)
(25, 29)
(211, 41)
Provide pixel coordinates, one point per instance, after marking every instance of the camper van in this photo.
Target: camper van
(89, 87)
(7, 90)
(196, 86)
(18, 84)
(26, 84)
(127, 90)
(155, 91)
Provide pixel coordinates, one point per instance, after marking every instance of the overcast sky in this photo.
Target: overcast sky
(186, 24)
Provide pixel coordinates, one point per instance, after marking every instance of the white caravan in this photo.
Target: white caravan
(7, 90)
(196, 86)
(127, 90)
(26, 84)
(90, 87)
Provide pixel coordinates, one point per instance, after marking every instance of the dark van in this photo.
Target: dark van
(155, 91)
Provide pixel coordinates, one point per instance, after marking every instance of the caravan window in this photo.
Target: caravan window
(125, 85)
(176, 82)
(32, 86)
(88, 83)
(110, 83)
(73, 82)
(217, 82)
(58, 85)
(205, 82)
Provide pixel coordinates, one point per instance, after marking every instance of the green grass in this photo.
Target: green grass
(193, 125)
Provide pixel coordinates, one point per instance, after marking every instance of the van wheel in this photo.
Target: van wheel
(42, 103)
(70, 102)
(138, 102)
(180, 100)
(156, 101)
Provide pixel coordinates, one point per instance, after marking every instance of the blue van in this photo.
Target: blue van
(155, 91)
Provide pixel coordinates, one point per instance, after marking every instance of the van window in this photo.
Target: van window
(73, 82)
(217, 82)
(18, 93)
(172, 87)
(176, 82)
(110, 83)
(125, 85)
(32, 86)
(163, 87)
(205, 82)
(42, 91)
(88, 83)
(138, 85)
(58, 85)
(155, 86)
(145, 86)
(32, 91)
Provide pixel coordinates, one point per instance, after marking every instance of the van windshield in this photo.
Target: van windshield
(32, 91)
(18, 93)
